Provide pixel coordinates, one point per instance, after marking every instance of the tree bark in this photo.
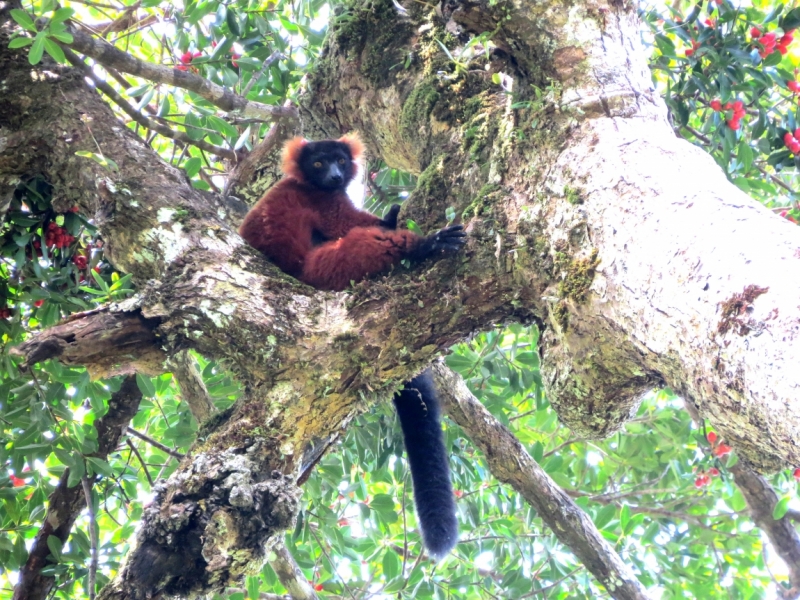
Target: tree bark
(642, 265)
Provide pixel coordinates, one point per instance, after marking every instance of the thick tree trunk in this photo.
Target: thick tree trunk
(642, 264)
(646, 266)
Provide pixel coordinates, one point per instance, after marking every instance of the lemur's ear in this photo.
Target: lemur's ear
(353, 141)
(291, 157)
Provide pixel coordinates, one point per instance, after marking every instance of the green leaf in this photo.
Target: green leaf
(62, 14)
(414, 228)
(54, 545)
(233, 26)
(781, 508)
(20, 42)
(99, 159)
(23, 19)
(100, 466)
(37, 49)
(64, 37)
(76, 473)
(391, 565)
(790, 20)
(55, 51)
(745, 156)
(145, 385)
(192, 166)
(252, 585)
(605, 515)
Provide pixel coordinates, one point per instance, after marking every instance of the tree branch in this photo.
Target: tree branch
(511, 464)
(193, 390)
(155, 443)
(106, 342)
(761, 500)
(137, 116)
(290, 575)
(65, 503)
(108, 55)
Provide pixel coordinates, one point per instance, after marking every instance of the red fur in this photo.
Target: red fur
(282, 223)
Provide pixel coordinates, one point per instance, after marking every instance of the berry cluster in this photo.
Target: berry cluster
(792, 141)
(736, 115)
(693, 49)
(704, 478)
(57, 236)
(187, 58)
(720, 450)
(770, 43)
(80, 261)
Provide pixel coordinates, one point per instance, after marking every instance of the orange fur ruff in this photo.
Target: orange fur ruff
(292, 149)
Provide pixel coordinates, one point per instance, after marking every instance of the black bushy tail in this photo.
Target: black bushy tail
(420, 418)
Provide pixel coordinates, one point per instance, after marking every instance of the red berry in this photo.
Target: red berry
(197, 53)
(793, 86)
(319, 587)
(715, 105)
(755, 32)
(698, 483)
(5, 313)
(722, 450)
(713, 471)
(788, 139)
(38, 303)
(16, 481)
(689, 52)
(796, 474)
(186, 57)
(80, 261)
(711, 437)
(734, 124)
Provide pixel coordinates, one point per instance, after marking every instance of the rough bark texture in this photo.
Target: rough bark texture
(66, 503)
(107, 342)
(645, 265)
(642, 265)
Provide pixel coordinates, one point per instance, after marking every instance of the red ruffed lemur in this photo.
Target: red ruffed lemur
(307, 225)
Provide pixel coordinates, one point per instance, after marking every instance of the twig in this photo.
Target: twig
(256, 76)
(144, 121)
(141, 460)
(109, 55)
(155, 443)
(87, 491)
(331, 563)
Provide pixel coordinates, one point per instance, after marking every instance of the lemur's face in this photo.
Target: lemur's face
(327, 165)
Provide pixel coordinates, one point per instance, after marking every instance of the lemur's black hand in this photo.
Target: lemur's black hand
(390, 220)
(445, 241)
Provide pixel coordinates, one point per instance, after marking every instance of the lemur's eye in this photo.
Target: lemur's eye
(342, 161)
(318, 165)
